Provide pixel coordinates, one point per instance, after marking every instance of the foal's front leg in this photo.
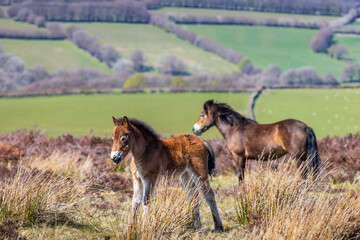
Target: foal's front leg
(147, 189)
(138, 193)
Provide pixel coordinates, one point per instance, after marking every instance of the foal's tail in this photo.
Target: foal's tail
(313, 152)
(211, 157)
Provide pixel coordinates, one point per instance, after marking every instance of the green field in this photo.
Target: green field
(328, 111)
(353, 44)
(240, 14)
(154, 42)
(169, 114)
(6, 23)
(289, 47)
(51, 54)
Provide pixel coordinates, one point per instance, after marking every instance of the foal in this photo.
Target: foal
(186, 155)
(247, 139)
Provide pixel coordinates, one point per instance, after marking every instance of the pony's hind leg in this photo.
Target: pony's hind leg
(193, 195)
(209, 195)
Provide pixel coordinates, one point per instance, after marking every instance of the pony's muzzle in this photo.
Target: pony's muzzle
(116, 157)
(196, 130)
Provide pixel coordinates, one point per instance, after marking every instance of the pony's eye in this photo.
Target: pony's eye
(201, 115)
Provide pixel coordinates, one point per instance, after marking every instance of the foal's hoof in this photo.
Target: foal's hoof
(219, 229)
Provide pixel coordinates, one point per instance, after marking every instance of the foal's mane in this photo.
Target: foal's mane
(228, 115)
(143, 127)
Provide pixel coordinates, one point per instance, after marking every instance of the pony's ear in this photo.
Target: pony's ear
(114, 121)
(125, 121)
(208, 104)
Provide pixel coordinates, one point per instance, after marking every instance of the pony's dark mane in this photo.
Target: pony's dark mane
(228, 116)
(143, 127)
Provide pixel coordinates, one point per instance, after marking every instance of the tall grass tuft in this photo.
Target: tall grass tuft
(169, 213)
(67, 164)
(264, 191)
(40, 196)
(317, 217)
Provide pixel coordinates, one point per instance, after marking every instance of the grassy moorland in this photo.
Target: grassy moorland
(154, 43)
(353, 44)
(51, 54)
(239, 14)
(328, 111)
(169, 114)
(289, 47)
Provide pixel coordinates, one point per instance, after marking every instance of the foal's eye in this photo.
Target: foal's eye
(201, 115)
(123, 138)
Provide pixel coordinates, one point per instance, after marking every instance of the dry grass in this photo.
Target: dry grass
(265, 191)
(169, 214)
(281, 205)
(66, 164)
(39, 196)
(321, 217)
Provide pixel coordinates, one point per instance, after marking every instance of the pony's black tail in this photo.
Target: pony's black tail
(211, 157)
(313, 152)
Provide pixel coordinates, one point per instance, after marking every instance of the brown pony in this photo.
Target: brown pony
(186, 155)
(247, 139)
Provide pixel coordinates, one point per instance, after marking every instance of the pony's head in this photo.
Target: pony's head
(122, 141)
(206, 119)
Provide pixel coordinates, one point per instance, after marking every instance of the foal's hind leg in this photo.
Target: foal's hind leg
(193, 194)
(204, 186)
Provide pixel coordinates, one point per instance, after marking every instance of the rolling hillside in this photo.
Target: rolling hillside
(289, 47)
(53, 55)
(154, 42)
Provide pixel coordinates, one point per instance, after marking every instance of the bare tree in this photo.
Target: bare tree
(139, 59)
(169, 64)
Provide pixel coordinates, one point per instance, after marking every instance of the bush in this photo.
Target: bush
(245, 65)
(338, 51)
(169, 64)
(351, 73)
(136, 81)
(322, 40)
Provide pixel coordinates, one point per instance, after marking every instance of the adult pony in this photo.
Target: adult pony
(247, 139)
(186, 155)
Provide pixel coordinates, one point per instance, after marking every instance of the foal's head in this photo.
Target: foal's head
(206, 119)
(122, 140)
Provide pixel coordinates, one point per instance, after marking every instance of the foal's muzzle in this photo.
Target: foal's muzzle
(117, 157)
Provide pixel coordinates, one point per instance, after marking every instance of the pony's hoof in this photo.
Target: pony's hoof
(219, 229)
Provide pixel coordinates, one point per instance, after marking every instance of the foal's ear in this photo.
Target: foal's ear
(125, 121)
(114, 120)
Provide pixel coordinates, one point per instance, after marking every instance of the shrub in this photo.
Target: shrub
(138, 81)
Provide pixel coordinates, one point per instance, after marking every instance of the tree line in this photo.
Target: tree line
(227, 20)
(117, 11)
(322, 7)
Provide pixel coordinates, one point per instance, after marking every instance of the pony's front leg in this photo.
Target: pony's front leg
(138, 194)
(239, 164)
